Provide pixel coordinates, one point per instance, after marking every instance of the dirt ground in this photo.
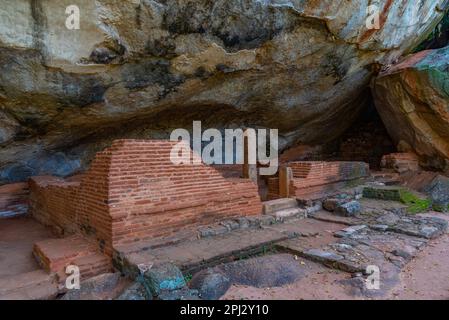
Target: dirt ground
(425, 277)
(17, 236)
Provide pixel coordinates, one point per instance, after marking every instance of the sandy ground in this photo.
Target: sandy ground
(426, 277)
(17, 236)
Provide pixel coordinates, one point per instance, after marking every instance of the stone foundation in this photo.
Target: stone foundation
(54, 255)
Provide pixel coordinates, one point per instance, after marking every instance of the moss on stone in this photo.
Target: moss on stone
(415, 204)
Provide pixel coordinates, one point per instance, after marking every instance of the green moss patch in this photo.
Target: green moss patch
(415, 204)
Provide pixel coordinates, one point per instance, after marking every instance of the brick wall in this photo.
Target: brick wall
(313, 177)
(53, 203)
(54, 255)
(273, 188)
(133, 192)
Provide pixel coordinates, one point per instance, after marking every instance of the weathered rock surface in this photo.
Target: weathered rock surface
(136, 292)
(438, 190)
(413, 101)
(362, 249)
(164, 277)
(439, 37)
(348, 209)
(179, 294)
(140, 68)
(261, 272)
(96, 288)
(211, 285)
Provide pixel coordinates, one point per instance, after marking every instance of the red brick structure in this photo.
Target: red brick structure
(401, 162)
(53, 203)
(54, 255)
(312, 179)
(133, 192)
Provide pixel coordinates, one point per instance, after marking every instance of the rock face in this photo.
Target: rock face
(413, 101)
(139, 68)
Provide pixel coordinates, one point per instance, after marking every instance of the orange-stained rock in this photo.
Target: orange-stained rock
(413, 100)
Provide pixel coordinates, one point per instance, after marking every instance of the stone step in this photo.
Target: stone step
(54, 255)
(194, 255)
(288, 213)
(34, 285)
(326, 216)
(270, 207)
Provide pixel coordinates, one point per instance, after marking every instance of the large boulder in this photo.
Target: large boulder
(210, 285)
(438, 190)
(412, 98)
(135, 291)
(139, 68)
(100, 287)
(164, 277)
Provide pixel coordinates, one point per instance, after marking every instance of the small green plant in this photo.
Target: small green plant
(187, 277)
(414, 203)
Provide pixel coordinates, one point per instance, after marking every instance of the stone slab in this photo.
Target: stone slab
(270, 207)
(191, 256)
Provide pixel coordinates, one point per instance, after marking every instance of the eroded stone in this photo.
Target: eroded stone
(164, 276)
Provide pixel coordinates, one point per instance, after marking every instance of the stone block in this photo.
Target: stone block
(210, 285)
(135, 291)
(230, 225)
(331, 204)
(348, 209)
(349, 231)
(382, 193)
(179, 294)
(270, 207)
(165, 277)
(94, 288)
